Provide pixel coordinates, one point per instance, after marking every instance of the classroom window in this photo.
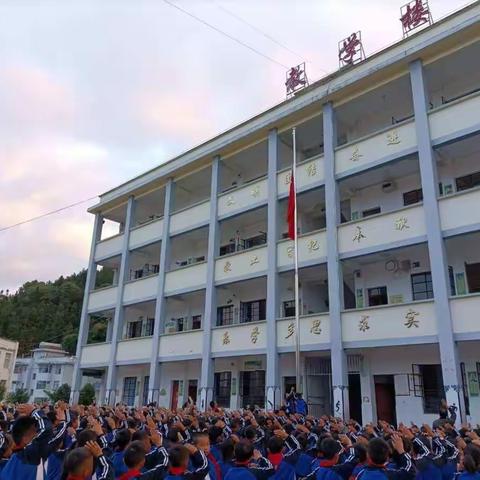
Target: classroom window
(134, 329)
(252, 311)
(289, 308)
(468, 181)
(377, 296)
(224, 315)
(422, 287)
(129, 386)
(196, 322)
(432, 384)
(223, 381)
(371, 211)
(412, 197)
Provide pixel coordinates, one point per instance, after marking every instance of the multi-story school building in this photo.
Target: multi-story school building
(194, 293)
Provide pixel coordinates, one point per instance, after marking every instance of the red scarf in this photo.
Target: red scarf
(133, 473)
(275, 459)
(328, 463)
(177, 470)
(216, 466)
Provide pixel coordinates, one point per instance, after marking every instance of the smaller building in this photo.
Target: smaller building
(48, 367)
(8, 355)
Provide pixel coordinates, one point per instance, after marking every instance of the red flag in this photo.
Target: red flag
(291, 211)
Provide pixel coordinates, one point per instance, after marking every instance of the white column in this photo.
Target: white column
(207, 372)
(110, 395)
(158, 329)
(436, 248)
(273, 395)
(335, 280)
(84, 318)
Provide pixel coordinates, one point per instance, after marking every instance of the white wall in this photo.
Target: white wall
(184, 246)
(184, 371)
(398, 283)
(462, 164)
(373, 195)
(242, 292)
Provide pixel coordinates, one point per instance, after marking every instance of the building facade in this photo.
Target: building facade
(48, 367)
(190, 280)
(8, 355)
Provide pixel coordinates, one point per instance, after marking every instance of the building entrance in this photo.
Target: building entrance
(252, 388)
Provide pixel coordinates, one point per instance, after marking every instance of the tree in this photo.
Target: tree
(42, 311)
(61, 393)
(18, 396)
(87, 394)
(69, 343)
(3, 391)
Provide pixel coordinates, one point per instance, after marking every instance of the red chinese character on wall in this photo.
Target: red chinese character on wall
(350, 50)
(414, 14)
(296, 79)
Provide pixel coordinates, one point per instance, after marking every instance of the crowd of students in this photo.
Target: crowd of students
(78, 442)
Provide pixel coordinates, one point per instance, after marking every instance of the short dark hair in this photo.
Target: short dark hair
(243, 451)
(378, 451)
(86, 436)
(329, 448)
(250, 433)
(178, 456)
(139, 435)
(172, 434)
(213, 433)
(122, 438)
(134, 454)
(360, 452)
(275, 444)
(21, 427)
(74, 461)
(471, 460)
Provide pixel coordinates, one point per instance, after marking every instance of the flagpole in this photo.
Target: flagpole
(298, 387)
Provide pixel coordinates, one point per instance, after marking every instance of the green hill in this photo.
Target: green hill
(44, 311)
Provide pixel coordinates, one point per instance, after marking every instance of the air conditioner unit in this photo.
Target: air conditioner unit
(415, 264)
(358, 273)
(388, 186)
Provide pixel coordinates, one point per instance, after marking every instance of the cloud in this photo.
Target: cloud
(93, 93)
(32, 100)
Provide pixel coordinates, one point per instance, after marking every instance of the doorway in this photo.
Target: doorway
(319, 386)
(174, 398)
(473, 277)
(288, 383)
(355, 397)
(192, 390)
(252, 388)
(385, 398)
(223, 388)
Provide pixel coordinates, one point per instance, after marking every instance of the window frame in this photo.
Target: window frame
(127, 392)
(428, 284)
(253, 311)
(471, 180)
(384, 290)
(417, 192)
(225, 320)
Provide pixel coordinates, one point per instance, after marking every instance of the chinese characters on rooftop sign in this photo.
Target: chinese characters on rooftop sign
(296, 79)
(415, 14)
(350, 50)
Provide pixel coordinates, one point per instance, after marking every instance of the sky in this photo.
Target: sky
(94, 92)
